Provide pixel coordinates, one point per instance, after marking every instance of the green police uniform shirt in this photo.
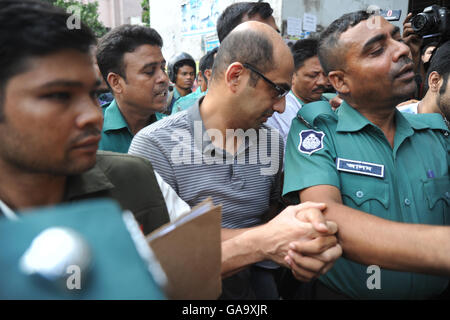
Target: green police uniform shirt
(406, 183)
(187, 101)
(116, 134)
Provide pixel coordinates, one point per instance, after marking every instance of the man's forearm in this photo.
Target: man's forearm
(240, 248)
(371, 240)
(368, 239)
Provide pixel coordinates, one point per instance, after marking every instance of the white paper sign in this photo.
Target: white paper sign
(309, 22)
(294, 26)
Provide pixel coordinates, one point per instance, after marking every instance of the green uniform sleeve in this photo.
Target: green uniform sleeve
(303, 170)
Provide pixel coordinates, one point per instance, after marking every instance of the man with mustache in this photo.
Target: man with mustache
(132, 64)
(219, 148)
(308, 83)
(371, 164)
(51, 122)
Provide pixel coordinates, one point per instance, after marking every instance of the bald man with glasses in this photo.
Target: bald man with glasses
(221, 148)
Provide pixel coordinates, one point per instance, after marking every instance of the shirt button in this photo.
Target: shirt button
(359, 194)
(407, 202)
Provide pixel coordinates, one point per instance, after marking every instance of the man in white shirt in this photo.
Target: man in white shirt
(437, 98)
(308, 84)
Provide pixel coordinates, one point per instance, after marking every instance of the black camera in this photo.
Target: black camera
(433, 21)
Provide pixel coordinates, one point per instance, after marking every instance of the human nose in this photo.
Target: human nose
(323, 80)
(163, 77)
(401, 50)
(90, 114)
(280, 105)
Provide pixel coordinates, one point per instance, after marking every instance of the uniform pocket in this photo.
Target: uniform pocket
(437, 189)
(361, 189)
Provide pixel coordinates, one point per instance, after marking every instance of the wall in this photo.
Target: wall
(113, 13)
(329, 10)
(166, 18)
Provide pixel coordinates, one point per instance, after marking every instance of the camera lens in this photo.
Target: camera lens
(419, 22)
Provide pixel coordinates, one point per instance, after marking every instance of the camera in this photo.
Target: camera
(433, 21)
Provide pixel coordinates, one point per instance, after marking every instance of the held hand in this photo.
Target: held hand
(307, 263)
(302, 223)
(310, 259)
(336, 102)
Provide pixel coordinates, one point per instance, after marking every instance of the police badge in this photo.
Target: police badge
(310, 141)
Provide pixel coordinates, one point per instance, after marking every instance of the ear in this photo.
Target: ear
(207, 74)
(434, 81)
(233, 75)
(115, 82)
(338, 81)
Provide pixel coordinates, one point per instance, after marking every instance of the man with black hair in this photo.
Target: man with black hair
(131, 62)
(436, 99)
(427, 51)
(220, 146)
(50, 122)
(372, 165)
(181, 70)
(309, 82)
(203, 76)
(240, 12)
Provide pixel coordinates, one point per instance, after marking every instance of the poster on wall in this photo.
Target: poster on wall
(199, 16)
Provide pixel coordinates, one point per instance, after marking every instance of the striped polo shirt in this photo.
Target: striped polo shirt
(245, 184)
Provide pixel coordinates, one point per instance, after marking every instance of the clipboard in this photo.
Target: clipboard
(189, 251)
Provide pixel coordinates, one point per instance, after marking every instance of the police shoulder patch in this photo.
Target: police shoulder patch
(310, 141)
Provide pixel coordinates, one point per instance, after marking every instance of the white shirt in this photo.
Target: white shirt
(282, 121)
(409, 108)
(175, 205)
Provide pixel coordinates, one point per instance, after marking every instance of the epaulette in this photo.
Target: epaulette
(432, 121)
(311, 111)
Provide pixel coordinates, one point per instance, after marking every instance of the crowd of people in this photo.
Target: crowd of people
(318, 172)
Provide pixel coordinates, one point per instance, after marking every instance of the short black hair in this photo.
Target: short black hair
(207, 61)
(35, 29)
(232, 16)
(125, 38)
(329, 50)
(440, 62)
(255, 48)
(304, 49)
(426, 46)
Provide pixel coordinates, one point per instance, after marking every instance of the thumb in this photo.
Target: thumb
(316, 218)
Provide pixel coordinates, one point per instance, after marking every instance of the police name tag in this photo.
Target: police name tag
(310, 141)
(360, 167)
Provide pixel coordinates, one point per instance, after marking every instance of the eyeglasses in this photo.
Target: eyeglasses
(280, 90)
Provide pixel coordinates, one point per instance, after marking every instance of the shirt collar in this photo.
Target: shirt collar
(113, 118)
(176, 93)
(350, 120)
(7, 212)
(91, 181)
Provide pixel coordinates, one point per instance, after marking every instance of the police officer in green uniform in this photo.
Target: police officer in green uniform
(131, 62)
(371, 164)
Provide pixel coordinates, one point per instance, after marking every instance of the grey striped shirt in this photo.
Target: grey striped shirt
(181, 151)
